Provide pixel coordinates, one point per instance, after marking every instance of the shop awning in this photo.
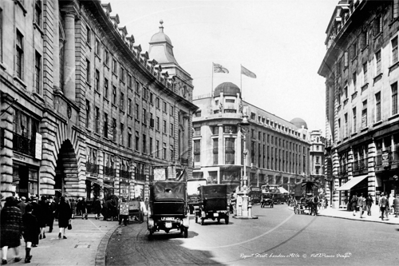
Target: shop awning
(95, 181)
(351, 183)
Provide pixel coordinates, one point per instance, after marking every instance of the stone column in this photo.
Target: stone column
(56, 57)
(371, 169)
(69, 56)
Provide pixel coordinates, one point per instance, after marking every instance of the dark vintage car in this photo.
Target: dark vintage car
(168, 209)
(213, 204)
(267, 199)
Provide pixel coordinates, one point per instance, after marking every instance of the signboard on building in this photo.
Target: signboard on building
(159, 174)
(385, 159)
(38, 146)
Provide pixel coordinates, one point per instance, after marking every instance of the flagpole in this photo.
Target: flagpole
(241, 82)
(212, 82)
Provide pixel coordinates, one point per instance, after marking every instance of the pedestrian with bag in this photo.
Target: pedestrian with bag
(10, 229)
(31, 231)
(64, 214)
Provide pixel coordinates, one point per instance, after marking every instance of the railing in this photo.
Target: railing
(109, 171)
(23, 144)
(92, 168)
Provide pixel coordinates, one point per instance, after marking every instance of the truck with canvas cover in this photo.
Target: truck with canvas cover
(213, 203)
(193, 198)
(168, 208)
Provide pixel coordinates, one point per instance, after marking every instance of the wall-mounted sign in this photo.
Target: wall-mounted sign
(385, 159)
(38, 146)
(159, 174)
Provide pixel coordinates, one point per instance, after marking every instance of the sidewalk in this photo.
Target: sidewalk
(86, 245)
(344, 214)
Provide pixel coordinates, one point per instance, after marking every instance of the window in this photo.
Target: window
(151, 98)
(172, 153)
(377, 106)
(113, 129)
(88, 35)
(164, 127)
(354, 80)
(97, 119)
(122, 133)
(129, 81)
(365, 73)
(129, 137)
(97, 77)
(394, 44)
(122, 75)
(164, 151)
(377, 25)
(122, 101)
(346, 125)
(129, 106)
(137, 87)
(378, 62)
(105, 125)
(105, 88)
(137, 112)
(87, 71)
(354, 120)
(38, 13)
(114, 66)
(346, 60)
(171, 129)
(157, 103)
(364, 115)
(106, 57)
(229, 152)
(151, 150)
(87, 113)
(171, 110)
(395, 9)
(157, 124)
(113, 94)
(197, 131)
(144, 116)
(157, 149)
(144, 143)
(197, 151)
(137, 141)
(394, 89)
(97, 47)
(19, 60)
(215, 151)
(346, 93)
(1, 35)
(165, 109)
(38, 72)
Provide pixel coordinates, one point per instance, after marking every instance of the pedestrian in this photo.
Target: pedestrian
(10, 229)
(123, 211)
(383, 205)
(326, 203)
(51, 208)
(390, 202)
(396, 206)
(354, 204)
(97, 208)
(363, 205)
(73, 207)
(31, 231)
(83, 208)
(22, 205)
(64, 214)
(369, 203)
(42, 216)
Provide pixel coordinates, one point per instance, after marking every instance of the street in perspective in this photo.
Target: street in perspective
(146, 132)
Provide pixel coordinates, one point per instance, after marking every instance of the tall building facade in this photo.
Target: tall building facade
(317, 148)
(84, 111)
(272, 150)
(362, 119)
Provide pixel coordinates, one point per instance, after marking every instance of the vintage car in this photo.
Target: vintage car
(213, 204)
(168, 208)
(267, 199)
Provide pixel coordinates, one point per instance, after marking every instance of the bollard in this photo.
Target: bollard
(249, 210)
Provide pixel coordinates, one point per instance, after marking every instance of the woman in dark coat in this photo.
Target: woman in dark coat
(11, 228)
(42, 216)
(97, 208)
(64, 214)
(31, 231)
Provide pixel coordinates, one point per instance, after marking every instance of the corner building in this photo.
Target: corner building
(362, 119)
(84, 111)
(277, 151)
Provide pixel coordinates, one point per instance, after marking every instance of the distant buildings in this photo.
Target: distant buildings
(362, 118)
(84, 111)
(277, 151)
(317, 149)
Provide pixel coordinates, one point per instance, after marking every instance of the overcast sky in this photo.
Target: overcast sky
(281, 41)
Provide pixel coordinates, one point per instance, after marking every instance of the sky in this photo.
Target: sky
(281, 41)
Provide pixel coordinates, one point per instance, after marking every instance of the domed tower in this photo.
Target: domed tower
(227, 98)
(161, 49)
(302, 127)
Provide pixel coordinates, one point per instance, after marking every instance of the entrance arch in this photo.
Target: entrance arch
(66, 171)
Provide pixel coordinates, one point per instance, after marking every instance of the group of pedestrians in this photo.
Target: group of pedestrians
(361, 204)
(29, 219)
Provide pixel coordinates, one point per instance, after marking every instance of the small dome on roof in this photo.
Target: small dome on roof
(299, 122)
(228, 89)
(160, 36)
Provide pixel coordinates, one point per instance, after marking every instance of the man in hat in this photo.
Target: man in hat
(383, 205)
(22, 204)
